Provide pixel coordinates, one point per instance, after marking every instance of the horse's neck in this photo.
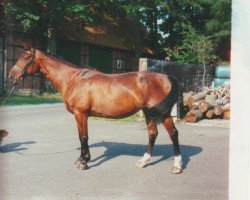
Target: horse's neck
(56, 71)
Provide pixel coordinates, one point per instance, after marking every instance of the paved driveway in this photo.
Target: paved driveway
(37, 159)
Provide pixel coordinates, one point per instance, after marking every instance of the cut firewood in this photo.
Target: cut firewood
(205, 106)
(208, 89)
(221, 92)
(185, 98)
(197, 97)
(210, 114)
(224, 100)
(193, 105)
(213, 93)
(210, 98)
(225, 107)
(193, 116)
(226, 114)
(210, 103)
(218, 110)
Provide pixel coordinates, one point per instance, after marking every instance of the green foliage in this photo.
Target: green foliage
(148, 13)
(17, 12)
(195, 48)
(45, 16)
(41, 14)
(219, 27)
(210, 20)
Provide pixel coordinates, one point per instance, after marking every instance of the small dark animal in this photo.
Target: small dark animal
(3, 133)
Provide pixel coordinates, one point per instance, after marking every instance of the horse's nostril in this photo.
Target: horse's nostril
(11, 76)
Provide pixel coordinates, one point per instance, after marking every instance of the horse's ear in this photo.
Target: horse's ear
(27, 46)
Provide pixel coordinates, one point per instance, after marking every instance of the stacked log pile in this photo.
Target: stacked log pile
(209, 104)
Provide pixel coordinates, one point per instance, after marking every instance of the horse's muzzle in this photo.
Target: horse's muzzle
(11, 76)
(14, 77)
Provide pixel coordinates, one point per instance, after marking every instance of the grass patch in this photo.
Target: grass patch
(33, 99)
(132, 118)
(19, 99)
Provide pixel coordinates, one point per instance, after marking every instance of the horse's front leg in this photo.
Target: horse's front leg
(82, 126)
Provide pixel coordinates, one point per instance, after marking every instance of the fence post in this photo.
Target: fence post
(1, 64)
(144, 66)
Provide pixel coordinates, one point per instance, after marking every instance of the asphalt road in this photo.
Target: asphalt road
(37, 159)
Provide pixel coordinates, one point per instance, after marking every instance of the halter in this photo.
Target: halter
(24, 70)
(23, 73)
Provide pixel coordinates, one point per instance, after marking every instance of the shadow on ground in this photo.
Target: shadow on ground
(115, 149)
(13, 147)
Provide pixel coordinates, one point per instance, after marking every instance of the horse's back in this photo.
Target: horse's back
(149, 87)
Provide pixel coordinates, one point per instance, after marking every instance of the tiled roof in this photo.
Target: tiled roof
(110, 34)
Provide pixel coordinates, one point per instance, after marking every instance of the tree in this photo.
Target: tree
(147, 14)
(163, 19)
(44, 16)
(182, 12)
(195, 49)
(153, 15)
(209, 18)
(219, 27)
(132, 11)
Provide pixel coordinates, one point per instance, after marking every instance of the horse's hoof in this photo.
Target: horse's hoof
(78, 162)
(140, 164)
(176, 170)
(82, 166)
(143, 162)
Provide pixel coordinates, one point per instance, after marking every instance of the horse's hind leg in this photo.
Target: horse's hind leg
(173, 133)
(81, 120)
(152, 134)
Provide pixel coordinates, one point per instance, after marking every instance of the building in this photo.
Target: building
(110, 48)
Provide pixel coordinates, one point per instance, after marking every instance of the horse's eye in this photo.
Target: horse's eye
(26, 56)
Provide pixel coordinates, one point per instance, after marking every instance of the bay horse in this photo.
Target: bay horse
(87, 92)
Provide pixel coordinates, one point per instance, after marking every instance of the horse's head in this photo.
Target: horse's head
(25, 65)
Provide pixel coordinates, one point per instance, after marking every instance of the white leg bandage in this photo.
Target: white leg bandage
(178, 162)
(141, 163)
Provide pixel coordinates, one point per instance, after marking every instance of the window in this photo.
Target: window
(84, 55)
(122, 61)
(119, 64)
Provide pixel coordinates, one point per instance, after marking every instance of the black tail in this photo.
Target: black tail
(162, 110)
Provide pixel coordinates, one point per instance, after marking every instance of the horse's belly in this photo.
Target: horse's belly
(116, 108)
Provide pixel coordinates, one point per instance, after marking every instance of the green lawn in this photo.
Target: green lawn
(132, 118)
(18, 99)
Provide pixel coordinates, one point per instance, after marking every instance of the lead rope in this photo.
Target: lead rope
(11, 91)
(23, 73)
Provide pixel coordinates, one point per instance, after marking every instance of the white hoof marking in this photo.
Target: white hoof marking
(178, 162)
(141, 163)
